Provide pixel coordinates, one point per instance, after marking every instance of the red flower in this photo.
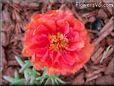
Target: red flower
(57, 41)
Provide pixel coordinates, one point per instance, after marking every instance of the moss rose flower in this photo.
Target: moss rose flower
(58, 41)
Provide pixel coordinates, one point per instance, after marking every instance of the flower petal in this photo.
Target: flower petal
(75, 46)
(65, 59)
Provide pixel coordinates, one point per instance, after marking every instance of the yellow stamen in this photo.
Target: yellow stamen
(57, 41)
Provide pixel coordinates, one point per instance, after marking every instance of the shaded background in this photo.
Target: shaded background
(98, 22)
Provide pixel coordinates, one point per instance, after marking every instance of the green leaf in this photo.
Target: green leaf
(26, 74)
(9, 79)
(13, 80)
(27, 65)
(61, 81)
(32, 81)
(56, 81)
(44, 71)
(21, 63)
(39, 78)
(28, 61)
(16, 75)
(19, 82)
(36, 72)
(31, 75)
(42, 80)
(45, 76)
(53, 81)
(48, 81)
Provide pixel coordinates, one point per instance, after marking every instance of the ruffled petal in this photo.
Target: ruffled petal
(70, 40)
(75, 46)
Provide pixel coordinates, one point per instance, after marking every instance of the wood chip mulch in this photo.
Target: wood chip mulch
(98, 21)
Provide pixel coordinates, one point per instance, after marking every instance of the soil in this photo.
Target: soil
(16, 13)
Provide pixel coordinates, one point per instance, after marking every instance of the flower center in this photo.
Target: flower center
(58, 41)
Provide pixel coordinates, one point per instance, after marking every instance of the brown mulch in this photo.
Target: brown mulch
(16, 13)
